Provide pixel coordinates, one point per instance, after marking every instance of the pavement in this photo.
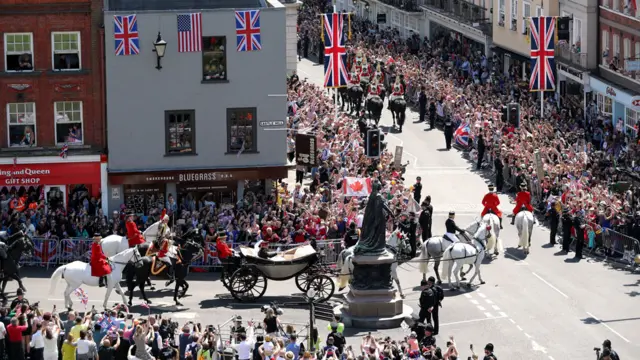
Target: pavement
(542, 306)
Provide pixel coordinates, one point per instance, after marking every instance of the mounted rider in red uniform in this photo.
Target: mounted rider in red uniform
(490, 202)
(163, 240)
(134, 236)
(523, 199)
(223, 250)
(99, 264)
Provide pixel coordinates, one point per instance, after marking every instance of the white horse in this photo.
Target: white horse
(494, 243)
(435, 246)
(395, 244)
(398, 245)
(115, 244)
(78, 273)
(524, 223)
(459, 254)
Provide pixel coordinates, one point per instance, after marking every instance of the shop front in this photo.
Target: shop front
(573, 87)
(60, 182)
(514, 64)
(145, 193)
(617, 105)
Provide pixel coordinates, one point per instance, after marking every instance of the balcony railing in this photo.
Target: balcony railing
(405, 5)
(572, 56)
(622, 6)
(461, 9)
(616, 65)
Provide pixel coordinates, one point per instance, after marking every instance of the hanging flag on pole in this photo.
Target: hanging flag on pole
(543, 64)
(335, 52)
(190, 32)
(248, 30)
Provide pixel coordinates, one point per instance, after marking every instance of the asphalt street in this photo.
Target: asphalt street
(539, 307)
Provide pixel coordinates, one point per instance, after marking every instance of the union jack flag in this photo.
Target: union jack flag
(64, 150)
(45, 251)
(248, 30)
(335, 53)
(125, 32)
(462, 135)
(542, 54)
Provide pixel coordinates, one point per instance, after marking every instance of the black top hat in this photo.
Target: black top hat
(451, 213)
(97, 234)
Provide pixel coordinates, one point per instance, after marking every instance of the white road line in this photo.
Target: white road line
(608, 327)
(471, 321)
(495, 307)
(482, 295)
(488, 314)
(527, 335)
(551, 357)
(481, 308)
(302, 71)
(401, 144)
(475, 302)
(489, 301)
(512, 321)
(551, 286)
(520, 261)
(519, 328)
(505, 315)
(468, 296)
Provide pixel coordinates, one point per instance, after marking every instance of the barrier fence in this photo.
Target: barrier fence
(53, 252)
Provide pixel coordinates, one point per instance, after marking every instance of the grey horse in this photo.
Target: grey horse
(435, 246)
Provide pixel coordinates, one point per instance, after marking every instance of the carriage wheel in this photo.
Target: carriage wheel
(247, 284)
(225, 279)
(302, 281)
(324, 287)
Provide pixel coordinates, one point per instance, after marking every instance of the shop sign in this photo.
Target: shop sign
(271, 123)
(306, 150)
(195, 176)
(635, 102)
(50, 174)
(115, 193)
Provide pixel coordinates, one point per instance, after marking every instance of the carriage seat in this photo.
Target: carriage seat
(295, 253)
(4, 235)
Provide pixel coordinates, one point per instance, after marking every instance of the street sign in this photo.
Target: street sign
(397, 158)
(632, 65)
(306, 150)
(271, 123)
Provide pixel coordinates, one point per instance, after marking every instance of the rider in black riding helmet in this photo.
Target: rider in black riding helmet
(19, 300)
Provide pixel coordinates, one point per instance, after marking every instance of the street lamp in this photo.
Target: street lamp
(311, 298)
(159, 48)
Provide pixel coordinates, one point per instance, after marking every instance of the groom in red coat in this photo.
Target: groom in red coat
(490, 202)
(523, 198)
(99, 265)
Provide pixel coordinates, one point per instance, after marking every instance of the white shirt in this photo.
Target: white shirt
(83, 346)
(3, 331)
(51, 345)
(245, 350)
(37, 341)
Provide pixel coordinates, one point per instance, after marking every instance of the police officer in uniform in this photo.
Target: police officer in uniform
(448, 132)
(554, 221)
(439, 294)
(428, 302)
(579, 225)
(409, 227)
(352, 236)
(426, 218)
(567, 222)
(499, 166)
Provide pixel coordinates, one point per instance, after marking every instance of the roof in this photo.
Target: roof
(142, 5)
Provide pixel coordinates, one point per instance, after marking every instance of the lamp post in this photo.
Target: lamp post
(159, 47)
(311, 298)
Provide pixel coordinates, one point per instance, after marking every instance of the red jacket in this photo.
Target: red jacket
(164, 249)
(223, 249)
(99, 264)
(523, 198)
(133, 234)
(491, 202)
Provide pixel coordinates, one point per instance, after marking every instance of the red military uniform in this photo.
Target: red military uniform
(223, 249)
(400, 91)
(523, 198)
(133, 234)
(374, 90)
(491, 202)
(354, 79)
(164, 248)
(99, 264)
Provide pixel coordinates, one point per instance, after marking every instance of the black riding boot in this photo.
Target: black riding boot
(513, 219)
(102, 281)
(500, 222)
(171, 274)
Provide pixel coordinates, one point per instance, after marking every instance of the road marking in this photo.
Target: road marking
(520, 261)
(495, 307)
(608, 327)
(489, 301)
(538, 347)
(277, 95)
(551, 357)
(488, 314)
(468, 296)
(471, 321)
(519, 328)
(481, 308)
(184, 315)
(302, 71)
(482, 295)
(512, 321)
(527, 335)
(551, 286)
(475, 302)
(505, 315)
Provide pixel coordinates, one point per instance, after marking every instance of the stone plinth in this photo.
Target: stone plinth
(372, 301)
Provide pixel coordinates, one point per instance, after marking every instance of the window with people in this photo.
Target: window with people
(241, 130)
(214, 58)
(66, 50)
(68, 120)
(21, 120)
(18, 51)
(180, 132)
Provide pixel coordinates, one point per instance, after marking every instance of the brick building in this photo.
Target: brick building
(616, 87)
(51, 97)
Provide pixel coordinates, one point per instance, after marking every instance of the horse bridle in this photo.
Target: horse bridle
(136, 257)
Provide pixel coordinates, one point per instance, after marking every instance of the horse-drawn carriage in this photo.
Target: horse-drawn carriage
(245, 274)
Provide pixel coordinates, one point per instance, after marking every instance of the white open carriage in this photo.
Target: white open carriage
(247, 274)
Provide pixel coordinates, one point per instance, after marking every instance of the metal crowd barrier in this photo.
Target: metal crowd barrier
(53, 252)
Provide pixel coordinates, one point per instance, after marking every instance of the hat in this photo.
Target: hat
(452, 213)
(19, 292)
(97, 234)
(523, 185)
(431, 279)
(129, 213)
(489, 347)
(289, 355)
(491, 187)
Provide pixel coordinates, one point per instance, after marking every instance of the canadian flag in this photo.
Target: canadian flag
(355, 186)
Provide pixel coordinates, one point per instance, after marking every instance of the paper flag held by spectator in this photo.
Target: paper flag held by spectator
(405, 327)
(354, 186)
(84, 298)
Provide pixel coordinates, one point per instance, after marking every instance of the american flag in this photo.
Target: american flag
(542, 54)
(125, 32)
(64, 150)
(45, 251)
(462, 135)
(335, 53)
(190, 32)
(248, 30)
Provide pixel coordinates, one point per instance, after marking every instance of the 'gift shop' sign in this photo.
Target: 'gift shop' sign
(50, 174)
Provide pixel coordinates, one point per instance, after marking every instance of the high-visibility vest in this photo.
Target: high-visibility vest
(340, 327)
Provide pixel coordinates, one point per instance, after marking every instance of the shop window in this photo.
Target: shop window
(18, 51)
(21, 119)
(631, 122)
(180, 132)
(605, 105)
(144, 199)
(68, 122)
(605, 47)
(214, 58)
(501, 13)
(241, 130)
(66, 50)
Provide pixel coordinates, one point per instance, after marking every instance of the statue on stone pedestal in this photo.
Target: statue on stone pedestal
(373, 237)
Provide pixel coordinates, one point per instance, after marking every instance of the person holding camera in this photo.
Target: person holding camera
(19, 300)
(608, 353)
